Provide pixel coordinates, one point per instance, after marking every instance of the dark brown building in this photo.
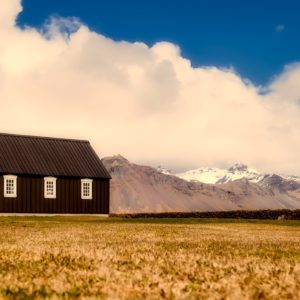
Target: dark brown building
(51, 176)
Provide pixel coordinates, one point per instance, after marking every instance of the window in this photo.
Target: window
(10, 186)
(87, 189)
(50, 187)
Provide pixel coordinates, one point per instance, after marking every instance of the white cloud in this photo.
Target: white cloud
(147, 103)
(9, 9)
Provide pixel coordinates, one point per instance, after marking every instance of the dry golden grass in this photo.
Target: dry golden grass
(154, 259)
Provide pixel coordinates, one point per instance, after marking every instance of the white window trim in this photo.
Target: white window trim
(90, 182)
(14, 178)
(53, 180)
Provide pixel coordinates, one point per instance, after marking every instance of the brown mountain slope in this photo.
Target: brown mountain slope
(136, 188)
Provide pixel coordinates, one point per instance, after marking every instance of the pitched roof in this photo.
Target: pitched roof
(32, 155)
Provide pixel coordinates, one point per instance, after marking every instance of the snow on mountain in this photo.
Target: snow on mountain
(204, 175)
(219, 176)
(241, 171)
(163, 170)
(291, 178)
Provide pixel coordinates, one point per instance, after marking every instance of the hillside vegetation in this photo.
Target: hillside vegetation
(90, 257)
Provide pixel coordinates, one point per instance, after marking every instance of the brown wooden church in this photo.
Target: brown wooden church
(51, 176)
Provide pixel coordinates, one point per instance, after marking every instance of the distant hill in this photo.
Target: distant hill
(136, 188)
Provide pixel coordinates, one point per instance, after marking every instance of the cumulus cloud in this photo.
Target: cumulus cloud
(8, 12)
(145, 102)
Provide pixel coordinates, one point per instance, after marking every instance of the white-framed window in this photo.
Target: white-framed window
(50, 187)
(10, 186)
(87, 189)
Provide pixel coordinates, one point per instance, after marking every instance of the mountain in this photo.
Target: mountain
(219, 176)
(282, 183)
(239, 171)
(136, 188)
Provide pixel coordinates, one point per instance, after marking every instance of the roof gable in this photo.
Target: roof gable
(49, 157)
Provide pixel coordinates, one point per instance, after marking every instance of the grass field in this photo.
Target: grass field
(90, 257)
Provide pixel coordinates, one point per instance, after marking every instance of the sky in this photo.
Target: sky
(257, 37)
(184, 87)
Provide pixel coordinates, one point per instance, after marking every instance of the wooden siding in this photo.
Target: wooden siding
(30, 197)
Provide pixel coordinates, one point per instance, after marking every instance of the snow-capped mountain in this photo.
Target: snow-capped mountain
(219, 176)
(238, 171)
(136, 188)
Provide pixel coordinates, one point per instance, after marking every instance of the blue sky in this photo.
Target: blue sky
(257, 38)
